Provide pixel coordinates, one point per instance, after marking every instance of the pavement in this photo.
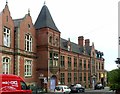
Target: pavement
(106, 89)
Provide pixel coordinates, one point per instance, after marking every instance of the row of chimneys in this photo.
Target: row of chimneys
(81, 41)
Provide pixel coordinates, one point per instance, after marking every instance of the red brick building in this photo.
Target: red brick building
(37, 53)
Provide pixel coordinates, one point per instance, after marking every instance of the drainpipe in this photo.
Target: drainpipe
(14, 53)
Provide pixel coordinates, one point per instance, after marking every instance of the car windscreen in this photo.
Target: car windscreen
(58, 88)
(23, 86)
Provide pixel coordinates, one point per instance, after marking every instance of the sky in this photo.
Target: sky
(96, 20)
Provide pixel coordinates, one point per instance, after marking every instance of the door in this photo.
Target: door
(52, 83)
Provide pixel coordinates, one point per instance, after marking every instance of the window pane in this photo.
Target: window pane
(6, 37)
(5, 65)
(28, 68)
(28, 42)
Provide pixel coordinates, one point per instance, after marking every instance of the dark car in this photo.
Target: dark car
(99, 86)
(36, 89)
(77, 88)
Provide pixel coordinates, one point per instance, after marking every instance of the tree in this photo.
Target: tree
(114, 79)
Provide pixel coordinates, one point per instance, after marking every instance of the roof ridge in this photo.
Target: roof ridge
(18, 19)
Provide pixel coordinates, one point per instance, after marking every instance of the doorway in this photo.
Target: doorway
(53, 82)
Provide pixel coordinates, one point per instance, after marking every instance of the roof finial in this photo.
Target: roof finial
(44, 2)
(93, 44)
(28, 11)
(6, 2)
(68, 39)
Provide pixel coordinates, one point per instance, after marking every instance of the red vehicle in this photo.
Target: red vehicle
(13, 84)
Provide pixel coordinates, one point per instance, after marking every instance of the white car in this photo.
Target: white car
(78, 85)
(62, 89)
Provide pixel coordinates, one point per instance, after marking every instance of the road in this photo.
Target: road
(106, 90)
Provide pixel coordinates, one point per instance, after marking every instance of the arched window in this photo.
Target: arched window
(56, 41)
(6, 65)
(28, 42)
(50, 39)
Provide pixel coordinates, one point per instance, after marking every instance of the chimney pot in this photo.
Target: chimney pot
(80, 40)
(87, 42)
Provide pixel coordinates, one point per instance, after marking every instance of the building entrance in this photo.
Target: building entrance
(52, 83)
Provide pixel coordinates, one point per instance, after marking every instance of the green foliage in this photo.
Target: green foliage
(114, 79)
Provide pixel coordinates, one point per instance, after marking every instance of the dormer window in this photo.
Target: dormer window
(68, 47)
(68, 44)
(84, 50)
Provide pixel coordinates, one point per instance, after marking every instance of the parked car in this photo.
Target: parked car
(77, 88)
(62, 89)
(99, 86)
(36, 89)
(13, 84)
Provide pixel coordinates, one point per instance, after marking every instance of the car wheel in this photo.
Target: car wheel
(78, 91)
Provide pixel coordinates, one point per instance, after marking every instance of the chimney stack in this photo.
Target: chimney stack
(80, 40)
(87, 42)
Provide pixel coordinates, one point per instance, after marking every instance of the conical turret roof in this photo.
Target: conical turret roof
(45, 20)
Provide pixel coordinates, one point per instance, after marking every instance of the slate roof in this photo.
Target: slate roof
(17, 22)
(88, 49)
(74, 47)
(45, 20)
